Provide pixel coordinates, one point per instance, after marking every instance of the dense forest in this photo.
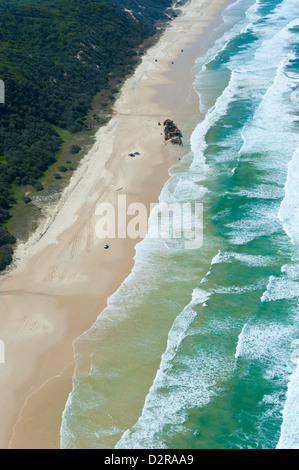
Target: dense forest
(54, 57)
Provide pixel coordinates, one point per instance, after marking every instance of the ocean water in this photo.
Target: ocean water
(199, 347)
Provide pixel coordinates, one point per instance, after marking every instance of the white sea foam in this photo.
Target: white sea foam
(288, 287)
(264, 340)
(238, 289)
(289, 435)
(173, 392)
(198, 142)
(207, 82)
(239, 343)
(249, 260)
(281, 288)
(265, 83)
(261, 191)
(67, 436)
(103, 432)
(235, 20)
(259, 220)
(216, 258)
(289, 209)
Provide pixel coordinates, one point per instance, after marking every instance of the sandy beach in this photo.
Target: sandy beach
(63, 276)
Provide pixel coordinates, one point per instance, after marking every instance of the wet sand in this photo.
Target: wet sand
(63, 276)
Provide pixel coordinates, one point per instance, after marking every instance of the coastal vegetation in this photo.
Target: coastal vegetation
(55, 56)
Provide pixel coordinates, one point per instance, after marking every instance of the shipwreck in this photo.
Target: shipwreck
(172, 133)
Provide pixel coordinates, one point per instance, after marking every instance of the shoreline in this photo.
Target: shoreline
(62, 282)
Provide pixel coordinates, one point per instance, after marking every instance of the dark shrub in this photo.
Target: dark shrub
(27, 199)
(5, 256)
(62, 168)
(38, 186)
(6, 237)
(75, 149)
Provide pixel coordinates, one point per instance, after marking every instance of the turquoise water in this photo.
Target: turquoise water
(197, 349)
